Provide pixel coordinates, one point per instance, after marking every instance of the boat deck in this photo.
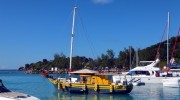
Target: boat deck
(13, 95)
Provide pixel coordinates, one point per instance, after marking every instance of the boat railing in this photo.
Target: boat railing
(137, 80)
(61, 79)
(132, 79)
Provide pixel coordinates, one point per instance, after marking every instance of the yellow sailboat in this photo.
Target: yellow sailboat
(92, 82)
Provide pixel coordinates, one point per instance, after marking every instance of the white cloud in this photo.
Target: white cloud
(102, 1)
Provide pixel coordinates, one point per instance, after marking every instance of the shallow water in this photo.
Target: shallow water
(36, 85)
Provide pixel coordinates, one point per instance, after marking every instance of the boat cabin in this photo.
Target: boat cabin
(91, 77)
(94, 79)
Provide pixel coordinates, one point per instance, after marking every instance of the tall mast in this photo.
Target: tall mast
(137, 57)
(130, 57)
(72, 38)
(168, 28)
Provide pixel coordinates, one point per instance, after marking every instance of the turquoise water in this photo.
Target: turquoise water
(36, 85)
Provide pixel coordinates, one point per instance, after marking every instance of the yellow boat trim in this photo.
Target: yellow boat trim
(94, 86)
(53, 81)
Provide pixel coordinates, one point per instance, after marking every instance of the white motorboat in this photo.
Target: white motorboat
(6, 94)
(151, 74)
(148, 73)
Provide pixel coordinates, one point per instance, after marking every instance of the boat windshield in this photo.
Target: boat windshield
(139, 73)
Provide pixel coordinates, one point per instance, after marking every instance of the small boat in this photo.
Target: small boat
(6, 94)
(145, 73)
(44, 73)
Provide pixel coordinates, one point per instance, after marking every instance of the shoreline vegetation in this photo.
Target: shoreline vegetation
(106, 62)
(65, 71)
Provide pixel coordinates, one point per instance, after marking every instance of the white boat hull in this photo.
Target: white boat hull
(138, 83)
(152, 80)
(146, 79)
(16, 96)
(171, 82)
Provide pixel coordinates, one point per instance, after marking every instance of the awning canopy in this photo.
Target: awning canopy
(84, 71)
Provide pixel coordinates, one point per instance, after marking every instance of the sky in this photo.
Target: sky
(33, 30)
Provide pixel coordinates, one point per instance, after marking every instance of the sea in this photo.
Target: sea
(40, 87)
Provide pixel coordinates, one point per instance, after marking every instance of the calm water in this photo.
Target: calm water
(40, 87)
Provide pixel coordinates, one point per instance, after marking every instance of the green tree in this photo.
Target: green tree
(111, 59)
(60, 61)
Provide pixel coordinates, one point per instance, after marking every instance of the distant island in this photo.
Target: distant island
(105, 61)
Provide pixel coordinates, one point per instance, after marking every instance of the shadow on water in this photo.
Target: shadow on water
(155, 92)
(171, 93)
(68, 96)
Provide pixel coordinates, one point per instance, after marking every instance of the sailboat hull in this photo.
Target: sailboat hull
(94, 88)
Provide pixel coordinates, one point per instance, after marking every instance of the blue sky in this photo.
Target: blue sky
(31, 30)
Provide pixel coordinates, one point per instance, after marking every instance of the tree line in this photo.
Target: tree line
(108, 60)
